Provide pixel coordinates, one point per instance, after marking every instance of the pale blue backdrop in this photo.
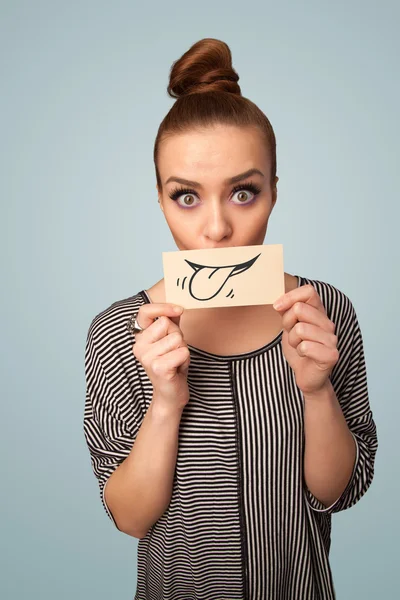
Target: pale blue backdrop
(83, 90)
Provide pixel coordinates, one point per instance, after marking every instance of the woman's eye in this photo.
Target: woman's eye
(242, 196)
(187, 199)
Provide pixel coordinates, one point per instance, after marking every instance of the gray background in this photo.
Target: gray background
(83, 91)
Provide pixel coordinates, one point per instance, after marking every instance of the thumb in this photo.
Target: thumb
(175, 320)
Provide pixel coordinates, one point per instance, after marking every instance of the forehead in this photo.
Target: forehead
(219, 151)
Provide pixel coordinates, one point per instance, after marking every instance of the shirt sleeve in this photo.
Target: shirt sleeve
(112, 416)
(349, 380)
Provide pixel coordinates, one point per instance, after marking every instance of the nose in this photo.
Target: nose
(217, 225)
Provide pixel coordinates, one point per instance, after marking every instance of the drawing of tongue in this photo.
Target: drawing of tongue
(207, 282)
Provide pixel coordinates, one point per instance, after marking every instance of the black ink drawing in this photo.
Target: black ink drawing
(200, 282)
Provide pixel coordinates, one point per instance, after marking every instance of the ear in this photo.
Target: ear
(274, 193)
(159, 198)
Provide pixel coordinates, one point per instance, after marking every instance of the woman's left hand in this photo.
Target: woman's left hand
(308, 340)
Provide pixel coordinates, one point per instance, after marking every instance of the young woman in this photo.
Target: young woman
(227, 437)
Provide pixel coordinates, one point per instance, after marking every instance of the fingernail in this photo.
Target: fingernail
(178, 309)
(278, 304)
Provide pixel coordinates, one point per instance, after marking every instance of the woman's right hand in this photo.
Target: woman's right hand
(164, 354)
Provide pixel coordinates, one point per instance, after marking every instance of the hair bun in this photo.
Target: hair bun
(205, 67)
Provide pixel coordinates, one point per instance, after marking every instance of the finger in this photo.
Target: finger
(305, 331)
(309, 314)
(170, 342)
(305, 293)
(147, 313)
(184, 367)
(159, 329)
(166, 365)
(323, 356)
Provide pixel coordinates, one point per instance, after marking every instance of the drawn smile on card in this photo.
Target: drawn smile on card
(208, 281)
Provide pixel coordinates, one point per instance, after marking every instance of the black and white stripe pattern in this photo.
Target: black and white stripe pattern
(241, 523)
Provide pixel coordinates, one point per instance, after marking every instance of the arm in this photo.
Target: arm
(139, 491)
(133, 447)
(330, 448)
(341, 437)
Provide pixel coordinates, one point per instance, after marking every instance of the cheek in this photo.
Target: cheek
(182, 228)
(256, 217)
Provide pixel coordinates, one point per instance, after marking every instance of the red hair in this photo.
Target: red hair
(207, 91)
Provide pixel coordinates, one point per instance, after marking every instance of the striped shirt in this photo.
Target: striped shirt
(241, 523)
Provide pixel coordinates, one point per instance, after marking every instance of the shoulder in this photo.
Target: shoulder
(112, 321)
(337, 303)
(111, 369)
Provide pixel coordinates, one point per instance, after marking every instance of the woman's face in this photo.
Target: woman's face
(209, 211)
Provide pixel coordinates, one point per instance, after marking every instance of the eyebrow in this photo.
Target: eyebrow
(229, 180)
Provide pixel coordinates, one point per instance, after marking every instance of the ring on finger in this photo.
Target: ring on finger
(133, 326)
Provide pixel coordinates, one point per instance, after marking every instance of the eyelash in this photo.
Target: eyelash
(248, 187)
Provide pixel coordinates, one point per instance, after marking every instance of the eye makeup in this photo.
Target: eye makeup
(248, 187)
